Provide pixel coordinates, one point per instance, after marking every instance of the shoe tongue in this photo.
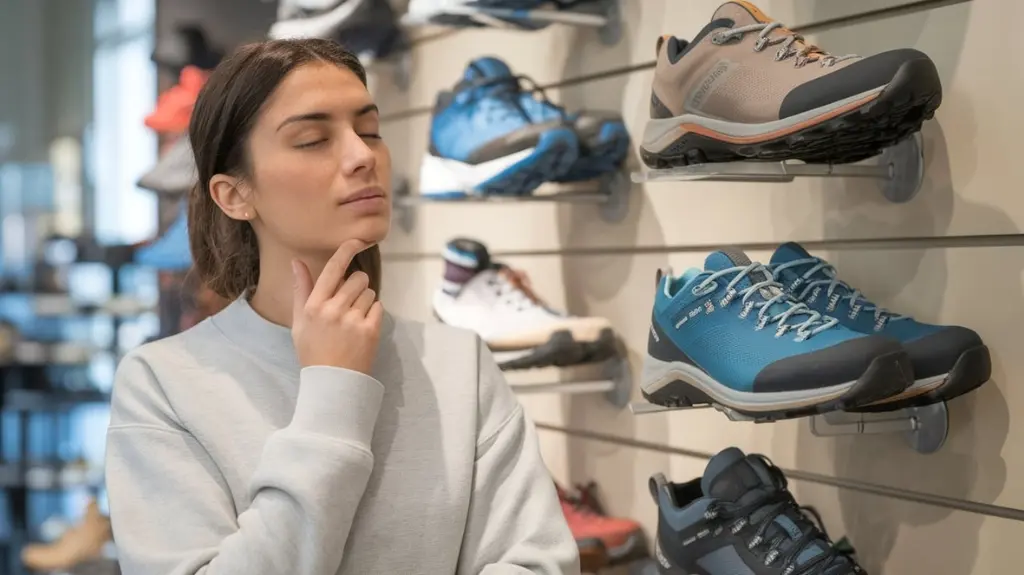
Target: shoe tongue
(467, 254)
(486, 68)
(732, 477)
(742, 13)
(788, 252)
(731, 258)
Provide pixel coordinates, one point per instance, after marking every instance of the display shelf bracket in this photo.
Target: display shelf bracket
(924, 428)
(604, 15)
(609, 192)
(899, 171)
(614, 382)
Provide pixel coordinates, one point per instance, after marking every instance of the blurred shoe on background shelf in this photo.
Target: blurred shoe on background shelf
(730, 336)
(497, 303)
(459, 13)
(170, 251)
(602, 135)
(174, 107)
(187, 46)
(746, 87)
(487, 138)
(603, 541)
(948, 361)
(740, 518)
(81, 543)
(367, 28)
(175, 171)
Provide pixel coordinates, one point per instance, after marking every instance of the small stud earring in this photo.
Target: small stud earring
(246, 214)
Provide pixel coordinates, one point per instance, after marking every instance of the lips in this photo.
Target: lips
(365, 194)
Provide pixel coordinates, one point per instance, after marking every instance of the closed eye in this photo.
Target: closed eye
(312, 144)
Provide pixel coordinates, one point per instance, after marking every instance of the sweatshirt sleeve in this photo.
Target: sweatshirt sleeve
(172, 512)
(516, 525)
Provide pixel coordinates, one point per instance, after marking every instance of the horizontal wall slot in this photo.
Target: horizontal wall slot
(942, 242)
(809, 28)
(837, 482)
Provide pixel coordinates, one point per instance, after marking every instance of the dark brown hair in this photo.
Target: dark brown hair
(224, 250)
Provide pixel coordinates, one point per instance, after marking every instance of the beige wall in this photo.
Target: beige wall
(952, 255)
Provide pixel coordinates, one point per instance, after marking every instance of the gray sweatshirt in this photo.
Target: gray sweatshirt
(224, 456)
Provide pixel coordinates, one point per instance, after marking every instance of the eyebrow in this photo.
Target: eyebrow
(324, 116)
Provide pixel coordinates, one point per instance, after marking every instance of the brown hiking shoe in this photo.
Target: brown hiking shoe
(748, 88)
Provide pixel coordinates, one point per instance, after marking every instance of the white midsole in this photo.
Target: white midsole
(657, 374)
(442, 175)
(661, 133)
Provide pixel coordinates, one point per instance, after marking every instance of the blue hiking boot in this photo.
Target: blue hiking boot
(731, 337)
(948, 361)
(170, 252)
(484, 141)
(740, 518)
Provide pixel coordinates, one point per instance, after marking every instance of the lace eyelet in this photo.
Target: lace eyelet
(760, 45)
(781, 55)
(718, 39)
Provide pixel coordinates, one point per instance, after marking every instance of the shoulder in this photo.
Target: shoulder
(140, 394)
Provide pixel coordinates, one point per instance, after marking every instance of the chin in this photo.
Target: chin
(372, 230)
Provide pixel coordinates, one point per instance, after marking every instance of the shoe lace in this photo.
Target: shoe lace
(837, 290)
(793, 44)
(770, 293)
(513, 286)
(769, 506)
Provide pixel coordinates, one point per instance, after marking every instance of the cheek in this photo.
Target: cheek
(294, 180)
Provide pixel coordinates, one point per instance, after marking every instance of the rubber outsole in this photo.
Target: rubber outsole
(886, 375)
(972, 369)
(561, 350)
(913, 96)
(555, 153)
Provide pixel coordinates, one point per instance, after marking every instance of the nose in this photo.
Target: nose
(356, 155)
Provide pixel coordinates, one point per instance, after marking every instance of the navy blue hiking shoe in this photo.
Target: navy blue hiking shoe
(603, 138)
(740, 519)
(731, 337)
(486, 138)
(948, 361)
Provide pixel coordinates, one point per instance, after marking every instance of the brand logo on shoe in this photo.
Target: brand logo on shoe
(660, 556)
(654, 334)
(720, 72)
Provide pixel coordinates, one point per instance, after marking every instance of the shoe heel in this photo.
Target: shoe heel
(669, 389)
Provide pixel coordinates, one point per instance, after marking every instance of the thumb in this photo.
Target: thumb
(303, 286)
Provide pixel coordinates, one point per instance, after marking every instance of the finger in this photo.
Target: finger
(364, 302)
(334, 272)
(376, 313)
(350, 290)
(303, 286)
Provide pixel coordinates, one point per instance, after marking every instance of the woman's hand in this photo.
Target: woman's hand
(336, 322)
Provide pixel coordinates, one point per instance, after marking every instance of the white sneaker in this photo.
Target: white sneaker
(312, 18)
(497, 303)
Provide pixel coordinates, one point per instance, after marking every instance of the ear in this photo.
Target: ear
(233, 197)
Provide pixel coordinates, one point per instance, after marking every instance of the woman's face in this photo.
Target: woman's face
(320, 172)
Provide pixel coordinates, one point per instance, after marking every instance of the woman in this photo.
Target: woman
(302, 430)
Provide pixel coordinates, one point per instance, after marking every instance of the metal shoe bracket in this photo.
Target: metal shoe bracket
(610, 192)
(924, 428)
(615, 382)
(604, 15)
(899, 171)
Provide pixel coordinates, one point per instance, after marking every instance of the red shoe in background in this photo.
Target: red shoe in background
(174, 107)
(602, 540)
